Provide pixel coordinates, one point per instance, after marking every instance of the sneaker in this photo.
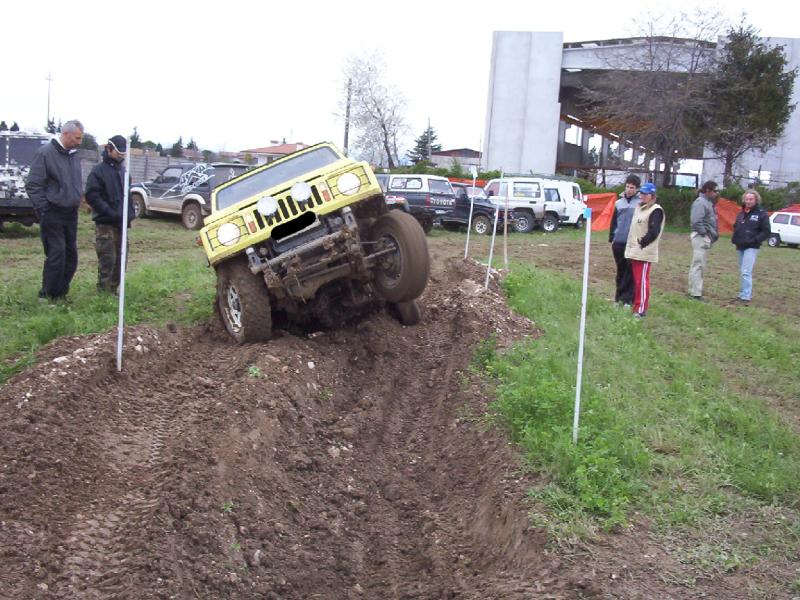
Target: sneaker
(639, 315)
(742, 301)
(626, 305)
(698, 298)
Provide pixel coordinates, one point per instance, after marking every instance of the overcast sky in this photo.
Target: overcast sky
(236, 75)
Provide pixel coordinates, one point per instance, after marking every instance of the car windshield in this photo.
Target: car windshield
(277, 174)
(476, 192)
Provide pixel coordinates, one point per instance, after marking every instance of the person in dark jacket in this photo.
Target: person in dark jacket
(105, 193)
(749, 232)
(618, 236)
(54, 188)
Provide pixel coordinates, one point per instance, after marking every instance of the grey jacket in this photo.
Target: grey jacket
(704, 218)
(55, 178)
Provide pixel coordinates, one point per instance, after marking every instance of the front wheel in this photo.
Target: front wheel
(401, 274)
(774, 240)
(243, 302)
(580, 223)
(192, 216)
(549, 223)
(139, 208)
(481, 224)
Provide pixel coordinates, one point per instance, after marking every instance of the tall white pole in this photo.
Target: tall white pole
(491, 247)
(587, 213)
(471, 206)
(124, 256)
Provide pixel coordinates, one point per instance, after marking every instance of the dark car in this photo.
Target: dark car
(483, 211)
(183, 189)
(17, 150)
(425, 215)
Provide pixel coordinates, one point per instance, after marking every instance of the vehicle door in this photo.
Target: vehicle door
(462, 201)
(793, 231)
(573, 200)
(442, 197)
(165, 188)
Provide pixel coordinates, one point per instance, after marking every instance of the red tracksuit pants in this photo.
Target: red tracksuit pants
(641, 285)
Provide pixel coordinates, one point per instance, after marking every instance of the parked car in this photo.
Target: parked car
(425, 215)
(183, 189)
(422, 192)
(483, 211)
(14, 202)
(568, 192)
(785, 227)
(526, 196)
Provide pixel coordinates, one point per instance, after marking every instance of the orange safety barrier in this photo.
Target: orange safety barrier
(602, 206)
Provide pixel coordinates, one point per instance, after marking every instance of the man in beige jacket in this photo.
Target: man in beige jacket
(642, 247)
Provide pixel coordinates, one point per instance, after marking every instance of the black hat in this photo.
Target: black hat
(119, 143)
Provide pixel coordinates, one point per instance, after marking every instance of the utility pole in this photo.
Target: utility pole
(347, 115)
(49, 80)
(430, 154)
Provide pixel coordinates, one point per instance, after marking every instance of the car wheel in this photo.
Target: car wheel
(427, 224)
(243, 302)
(192, 216)
(523, 222)
(139, 208)
(580, 223)
(549, 224)
(409, 312)
(402, 274)
(774, 240)
(481, 225)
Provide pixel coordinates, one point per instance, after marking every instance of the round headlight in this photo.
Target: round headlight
(348, 184)
(267, 206)
(301, 191)
(228, 234)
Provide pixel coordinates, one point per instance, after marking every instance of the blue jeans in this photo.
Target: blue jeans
(747, 260)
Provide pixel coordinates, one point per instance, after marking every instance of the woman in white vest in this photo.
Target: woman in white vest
(642, 247)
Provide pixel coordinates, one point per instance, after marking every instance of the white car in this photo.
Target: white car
(785, 227)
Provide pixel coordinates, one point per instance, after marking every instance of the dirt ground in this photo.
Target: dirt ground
(338, 465)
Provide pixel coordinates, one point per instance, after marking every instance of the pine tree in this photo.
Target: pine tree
(192, 145)
(750, 97)
(177, 148)
(424, 146)
(15, 127)
(136, 141)
(3, 126)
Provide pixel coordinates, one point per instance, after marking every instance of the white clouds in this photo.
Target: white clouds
(241, 74)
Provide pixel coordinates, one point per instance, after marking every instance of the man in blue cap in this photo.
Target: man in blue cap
(105, 194)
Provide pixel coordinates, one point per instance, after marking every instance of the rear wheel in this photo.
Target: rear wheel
(549, 223)
(481, 224)
(402, 274)
(523, 221)
(139, 208)
(580, 223)
(774, 240)
(409, 312)
(243, 302)
(192, 216)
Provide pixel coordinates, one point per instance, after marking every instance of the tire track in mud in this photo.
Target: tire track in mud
(98, 550)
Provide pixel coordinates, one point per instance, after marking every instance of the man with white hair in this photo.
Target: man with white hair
(55, 189)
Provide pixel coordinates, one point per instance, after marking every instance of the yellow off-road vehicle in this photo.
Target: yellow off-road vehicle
(309, 238)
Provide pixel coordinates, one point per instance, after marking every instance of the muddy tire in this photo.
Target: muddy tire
(139, 208)
(481, 225)
(403, 274)
(409, 312)
(192, 216)
(549, 223)
(243, 303)
(523, 222)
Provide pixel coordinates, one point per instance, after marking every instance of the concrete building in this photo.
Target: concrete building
(534, 123)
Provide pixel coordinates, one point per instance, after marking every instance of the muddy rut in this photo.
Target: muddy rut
(354, 463)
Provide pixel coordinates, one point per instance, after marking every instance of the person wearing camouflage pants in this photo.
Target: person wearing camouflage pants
(104, 193)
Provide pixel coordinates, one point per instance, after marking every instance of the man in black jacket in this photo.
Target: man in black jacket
(105, 193)
(54, 187)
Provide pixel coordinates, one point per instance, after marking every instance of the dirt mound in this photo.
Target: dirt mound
(343, 464)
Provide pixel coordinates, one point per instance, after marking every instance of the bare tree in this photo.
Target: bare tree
(377, 110)
(652, 88)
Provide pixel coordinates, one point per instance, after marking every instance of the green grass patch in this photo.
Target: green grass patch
(168, 280)
(661, 432)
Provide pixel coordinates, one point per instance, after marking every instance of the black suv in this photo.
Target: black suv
(412, 203)
(483, 211)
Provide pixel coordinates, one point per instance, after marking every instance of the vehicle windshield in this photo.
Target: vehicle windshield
(282, 172)
(476, 192)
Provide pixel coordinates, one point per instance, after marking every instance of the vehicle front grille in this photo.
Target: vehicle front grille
(288, 209)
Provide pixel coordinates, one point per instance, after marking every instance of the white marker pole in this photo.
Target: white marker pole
(587, 213)
(471, 206)
(491, 247)
(124, 256)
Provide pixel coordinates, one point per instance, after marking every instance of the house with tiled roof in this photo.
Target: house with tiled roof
(463, 156)
(269, 153)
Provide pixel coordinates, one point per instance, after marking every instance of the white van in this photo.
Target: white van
(785, 229)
